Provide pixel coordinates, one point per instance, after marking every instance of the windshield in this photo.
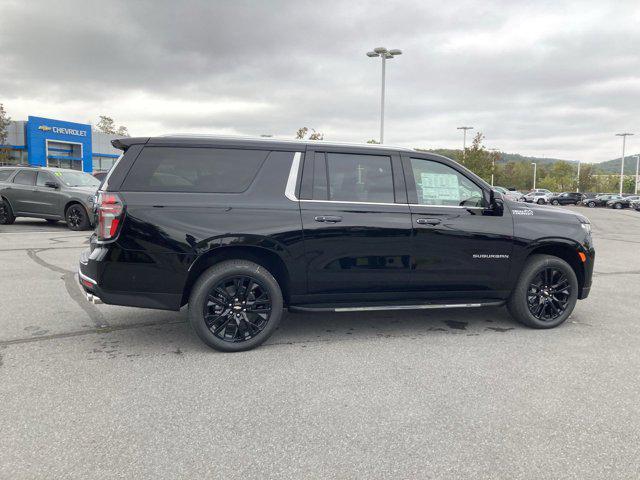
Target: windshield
(77, 179)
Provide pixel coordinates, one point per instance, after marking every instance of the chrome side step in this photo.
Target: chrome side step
(376, 308)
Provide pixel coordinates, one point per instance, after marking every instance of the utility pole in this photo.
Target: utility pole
(624, 139)
(464, 141)
(385, 55)
(535, 168)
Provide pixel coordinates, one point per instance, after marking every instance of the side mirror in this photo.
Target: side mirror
(496, 206)
(51, 185)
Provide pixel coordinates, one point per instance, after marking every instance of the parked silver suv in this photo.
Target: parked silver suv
(52, 194)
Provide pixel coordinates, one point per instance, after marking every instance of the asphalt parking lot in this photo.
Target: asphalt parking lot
(98, 391)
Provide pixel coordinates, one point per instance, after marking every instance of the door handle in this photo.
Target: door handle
(327, 218)
(428, 221)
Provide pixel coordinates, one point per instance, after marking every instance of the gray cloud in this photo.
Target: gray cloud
(543, 78)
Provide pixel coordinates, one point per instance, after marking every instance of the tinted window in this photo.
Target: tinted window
(43, 177)
(25, 177)
(5, 174)
(178, 169)
(439, 184)
(360, 178)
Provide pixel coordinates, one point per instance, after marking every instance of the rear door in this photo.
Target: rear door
(460, 248)
(356, 224)
(46, 199)
(21, 191)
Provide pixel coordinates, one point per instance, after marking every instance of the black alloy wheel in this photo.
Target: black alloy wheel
(235, 305)
(77, 218)
(6, 214)
(548, 295)
(541, 201)
(591, 204)
(237, 308)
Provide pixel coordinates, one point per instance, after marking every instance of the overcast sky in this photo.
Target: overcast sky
(555, 79)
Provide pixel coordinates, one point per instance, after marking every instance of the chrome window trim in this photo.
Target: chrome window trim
(290, 189)
(290, 192)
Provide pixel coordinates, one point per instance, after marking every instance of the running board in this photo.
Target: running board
(376, 308)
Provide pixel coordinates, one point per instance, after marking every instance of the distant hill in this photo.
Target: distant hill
(608, 167)
(505, 157)
(613, 166)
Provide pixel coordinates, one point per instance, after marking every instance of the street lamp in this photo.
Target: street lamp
(578, 184)
(637, 165)
(385, 55)
(624, 139)
(464, 141)
(494, 154)
(535, 168)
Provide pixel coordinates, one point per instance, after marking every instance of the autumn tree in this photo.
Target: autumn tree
(301, 134)
(478, 159)
(5, 121)
(107, 125)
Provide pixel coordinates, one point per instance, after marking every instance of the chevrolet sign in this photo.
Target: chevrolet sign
(63, 131)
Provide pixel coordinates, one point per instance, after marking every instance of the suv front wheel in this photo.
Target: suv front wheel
(545, 294)
(235, 305)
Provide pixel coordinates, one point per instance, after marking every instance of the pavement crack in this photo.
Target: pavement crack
(72, 287)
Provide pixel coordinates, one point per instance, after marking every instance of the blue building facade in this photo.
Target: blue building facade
(57, 143)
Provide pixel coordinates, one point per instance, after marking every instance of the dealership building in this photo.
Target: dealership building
(57, 143)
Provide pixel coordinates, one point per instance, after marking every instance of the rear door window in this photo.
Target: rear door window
(194, 169)
(359, 178)
(25, 177)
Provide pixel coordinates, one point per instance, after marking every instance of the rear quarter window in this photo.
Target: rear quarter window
(194, 169)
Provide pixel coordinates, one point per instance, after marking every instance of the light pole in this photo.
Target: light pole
(624, 140)
(637, 165)
(385, 55)
(494, 154)
(464, 141)
(578, 185)
(535, 168)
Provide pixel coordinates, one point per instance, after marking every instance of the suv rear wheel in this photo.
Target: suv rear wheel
(235, 306)
(540, 201)
(77, 218)
(545, 294)
(6, 214)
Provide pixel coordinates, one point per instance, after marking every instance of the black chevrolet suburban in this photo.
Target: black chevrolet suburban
(239, 229)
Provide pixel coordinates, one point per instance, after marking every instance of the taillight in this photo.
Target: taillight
(110, 212)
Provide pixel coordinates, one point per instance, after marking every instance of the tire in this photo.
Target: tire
(6, 214)
(236, 334)
(591, 204)
(617, 206)
(541, 202)
(555, 202)
(525, 294)
(77, 218)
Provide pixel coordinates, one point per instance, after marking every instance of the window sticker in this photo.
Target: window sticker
(442, 187)
(57, 174)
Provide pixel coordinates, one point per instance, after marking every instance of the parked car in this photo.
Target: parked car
(566, 198)
(624, 202)
(52, 194)
(635, 204)
(540, 198)
(238, 229)
(100, 175)
(600, 200)
(541, 190)
(510, 194)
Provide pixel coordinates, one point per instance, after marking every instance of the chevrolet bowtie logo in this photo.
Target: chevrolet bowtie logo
(44, 128)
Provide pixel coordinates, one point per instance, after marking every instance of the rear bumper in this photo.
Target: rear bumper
(91, 270)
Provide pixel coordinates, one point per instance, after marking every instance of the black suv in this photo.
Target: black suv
(566, 198)
(239, 229)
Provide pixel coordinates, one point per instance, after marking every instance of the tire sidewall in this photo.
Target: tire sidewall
(556, 202)
(591, 204)
(213, 276)
(518, 304)
(8, 217)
